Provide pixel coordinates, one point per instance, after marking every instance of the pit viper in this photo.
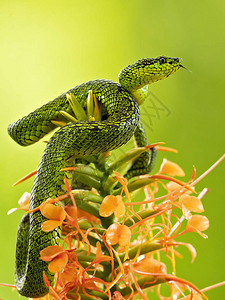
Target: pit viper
(119, 122)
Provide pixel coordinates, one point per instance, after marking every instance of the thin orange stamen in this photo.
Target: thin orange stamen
(159, 176)
(208, 171)
(213, 286)
(173, 278)
(51, 290)
(68, 169)
(148, 218)
(50, 200)
(166, 149)
(8, 285)
(25, 177)
(154, 145)
(123, 181)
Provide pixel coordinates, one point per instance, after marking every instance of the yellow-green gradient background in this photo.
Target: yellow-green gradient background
(47, 47)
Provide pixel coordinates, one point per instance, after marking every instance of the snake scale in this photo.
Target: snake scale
(119, 122)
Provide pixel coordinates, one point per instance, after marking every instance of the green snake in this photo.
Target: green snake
(119, 122)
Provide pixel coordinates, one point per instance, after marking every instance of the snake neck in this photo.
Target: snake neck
(131, 78)
(140, 94)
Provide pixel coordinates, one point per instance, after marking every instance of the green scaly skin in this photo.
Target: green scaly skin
(120, 121)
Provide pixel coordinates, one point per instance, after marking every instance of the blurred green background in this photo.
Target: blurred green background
(50, 46)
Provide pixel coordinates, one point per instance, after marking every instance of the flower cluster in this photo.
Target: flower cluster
(113, 246)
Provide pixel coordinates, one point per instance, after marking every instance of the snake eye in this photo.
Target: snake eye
(162, 60)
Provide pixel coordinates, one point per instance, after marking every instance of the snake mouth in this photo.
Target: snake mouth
(181, 66)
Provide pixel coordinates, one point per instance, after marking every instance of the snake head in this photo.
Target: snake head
(165, 66)
(148, 70)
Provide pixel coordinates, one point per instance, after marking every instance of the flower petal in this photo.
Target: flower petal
(53, 212)
(50, 225)
(69, 273)
(173, 186)
(111, 234)
(150, 265)
(191, 203)
(124, 235)
(58, 263)
(108, 206)
(50, 252)
(171, 168)
(198, 222)
(70, 210)
(98, 249)
(120, 210)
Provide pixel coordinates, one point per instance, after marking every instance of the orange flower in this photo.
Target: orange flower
(170, 168)
(120, 234)
(112, 204)
(198, 223)
(99, 256)
(173, 186)
(191, 203)
(57, 256)
(71, 272)
(150, 265)
(55, 214)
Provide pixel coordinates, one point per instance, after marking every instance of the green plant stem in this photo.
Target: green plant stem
(144, 282)
(88, 196)
(141, 249)
(142, 214)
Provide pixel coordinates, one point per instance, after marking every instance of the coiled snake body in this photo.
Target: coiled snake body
(120, 121)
